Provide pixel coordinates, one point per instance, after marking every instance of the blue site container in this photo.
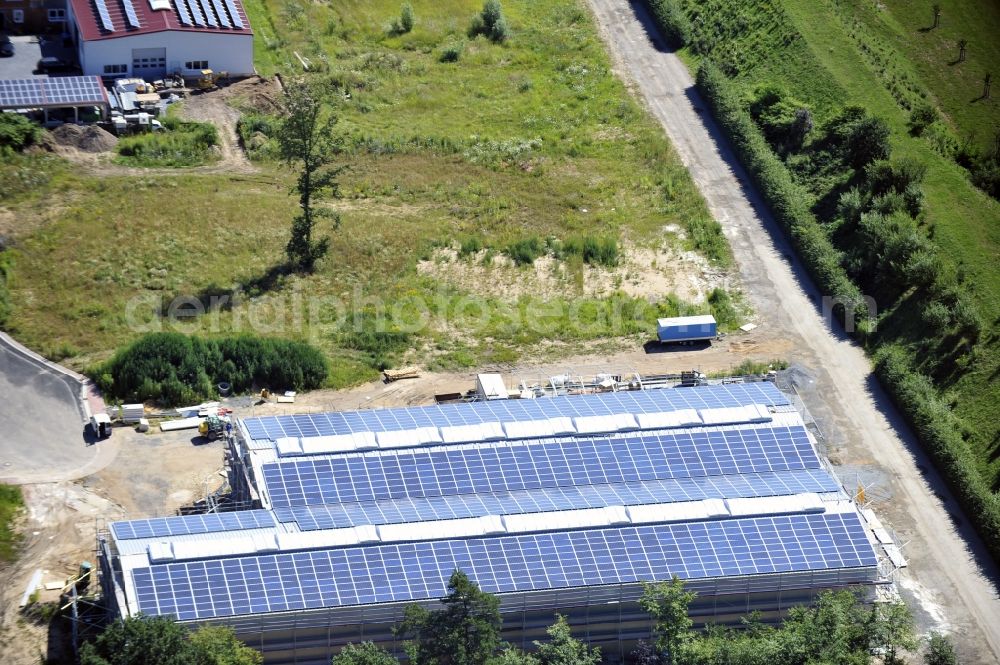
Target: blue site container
(686, 328)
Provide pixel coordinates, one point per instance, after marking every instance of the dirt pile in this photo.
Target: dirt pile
(87, 139)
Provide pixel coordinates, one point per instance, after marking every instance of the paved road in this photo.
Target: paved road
(950, 582)
(43, 437)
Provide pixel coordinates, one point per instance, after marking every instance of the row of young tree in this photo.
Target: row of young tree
(838, 629)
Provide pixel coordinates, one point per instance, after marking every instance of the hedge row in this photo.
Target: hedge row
(172, 368)
(788, 202)
(672, 20)
(940, 434)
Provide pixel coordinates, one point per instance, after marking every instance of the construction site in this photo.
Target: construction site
(559, 493)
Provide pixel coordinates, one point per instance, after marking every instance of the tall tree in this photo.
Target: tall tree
(937, 16)
(940, 651)
(668, 603)
(563, 649)
(140, 639)
(962, 45)
(466, 631)
(218, 645)
(307, 139)
(892, 630)
(365, 653)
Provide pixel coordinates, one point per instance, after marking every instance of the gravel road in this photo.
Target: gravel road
(950, 584)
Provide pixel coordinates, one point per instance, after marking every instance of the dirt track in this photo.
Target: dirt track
(950, 583)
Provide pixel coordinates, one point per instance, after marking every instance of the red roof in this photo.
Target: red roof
(186, 15)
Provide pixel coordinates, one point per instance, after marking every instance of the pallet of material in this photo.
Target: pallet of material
(405, 373)
(183, 423)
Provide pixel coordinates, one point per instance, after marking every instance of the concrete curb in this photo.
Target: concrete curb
(85, 383)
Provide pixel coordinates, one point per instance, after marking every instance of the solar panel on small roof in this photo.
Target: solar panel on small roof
(48, 92)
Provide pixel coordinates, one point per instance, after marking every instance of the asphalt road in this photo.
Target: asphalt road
(43, 435)
(950, 583)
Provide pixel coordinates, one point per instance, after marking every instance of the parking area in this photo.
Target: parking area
(28, 50)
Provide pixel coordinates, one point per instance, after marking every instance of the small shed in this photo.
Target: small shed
(491, 386)
(47, 94)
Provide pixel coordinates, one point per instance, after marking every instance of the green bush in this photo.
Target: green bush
(491, 23)
(17, 132)
(789, 203)
(524, 252)
(939, 431)
(10, 503)
(672, 20)
(172, 368)
(469, 246)
(187, 144)
(451, 52)
(593, 250)
(6, 264)
(377, 340)
(723, 308)
(921, 116)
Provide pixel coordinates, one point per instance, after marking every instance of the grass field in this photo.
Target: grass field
(535, 138)
(931, 54)
(10, 504)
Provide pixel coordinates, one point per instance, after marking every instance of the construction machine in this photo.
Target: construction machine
(209, 79)
(212, 428)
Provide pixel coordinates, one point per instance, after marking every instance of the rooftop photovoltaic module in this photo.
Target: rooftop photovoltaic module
(401, 511)
(415, 571)
(48, 92)
(635, 402)
(511, 466)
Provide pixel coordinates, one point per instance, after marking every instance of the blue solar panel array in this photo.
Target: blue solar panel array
(191, 524)
(182, 11)
(505, 467)
(399, 511)
(133, 19)
(407, 572)
(234, 13)
(105, 16)
(386, 420)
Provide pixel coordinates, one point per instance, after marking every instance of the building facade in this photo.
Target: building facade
(150, 39)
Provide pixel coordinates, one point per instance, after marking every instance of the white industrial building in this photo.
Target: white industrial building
(152, 38)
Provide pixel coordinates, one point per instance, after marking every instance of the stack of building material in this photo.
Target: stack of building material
(131, 413)
(397, 374)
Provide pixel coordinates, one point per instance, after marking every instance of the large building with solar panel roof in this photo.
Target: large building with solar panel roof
(561, 504)
(152, 38)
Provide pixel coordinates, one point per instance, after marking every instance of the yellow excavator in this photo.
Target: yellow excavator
(209, 79)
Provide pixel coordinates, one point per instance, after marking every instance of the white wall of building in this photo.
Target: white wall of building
(227, 52)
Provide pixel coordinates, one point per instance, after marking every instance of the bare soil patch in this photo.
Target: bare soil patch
(642, 272)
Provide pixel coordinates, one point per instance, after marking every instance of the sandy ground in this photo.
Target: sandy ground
(951, 583)
(642, 272)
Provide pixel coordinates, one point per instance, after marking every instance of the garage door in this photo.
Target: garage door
(149, 63)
